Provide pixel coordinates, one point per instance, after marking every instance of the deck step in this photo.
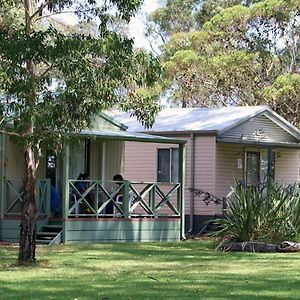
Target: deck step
(44, 242)
(53, 226)
(49, 233)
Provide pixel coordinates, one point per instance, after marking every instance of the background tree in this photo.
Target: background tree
(52, 82)
(244, 55)
(176, 16)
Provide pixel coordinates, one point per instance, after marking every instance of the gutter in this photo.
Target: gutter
(192, 196)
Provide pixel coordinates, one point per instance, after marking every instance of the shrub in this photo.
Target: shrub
(267, 214)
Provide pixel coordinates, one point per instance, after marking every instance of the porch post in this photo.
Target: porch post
(270, 161)
(180, 200)
(65, 206)
(126, 199)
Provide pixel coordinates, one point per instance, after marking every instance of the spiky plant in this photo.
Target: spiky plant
(269, 214)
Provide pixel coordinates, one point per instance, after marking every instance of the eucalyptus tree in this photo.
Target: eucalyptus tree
(52, 82)
(174, 16)
(245, 55)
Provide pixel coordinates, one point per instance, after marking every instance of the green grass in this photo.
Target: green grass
(183, 270)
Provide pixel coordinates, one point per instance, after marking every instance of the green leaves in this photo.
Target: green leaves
(239, 56)
(283, 96)
(59, 80)
(267, 214)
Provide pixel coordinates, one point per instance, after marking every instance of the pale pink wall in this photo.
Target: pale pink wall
(205, 172)
(215, 167)
(227, 169)
(287, 165)
(141, 163)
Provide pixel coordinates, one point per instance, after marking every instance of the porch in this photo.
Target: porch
(149, 211)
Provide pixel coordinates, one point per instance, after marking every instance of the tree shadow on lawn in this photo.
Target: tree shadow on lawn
(183, 270)
(179, 251)
(97, 285)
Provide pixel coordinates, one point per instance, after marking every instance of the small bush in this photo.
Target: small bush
(267, 214)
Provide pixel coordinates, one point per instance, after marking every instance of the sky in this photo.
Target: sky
(136, 25)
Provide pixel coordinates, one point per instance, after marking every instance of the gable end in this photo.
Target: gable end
(259, 129)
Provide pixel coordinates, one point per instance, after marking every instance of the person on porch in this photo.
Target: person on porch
(118, 179)
(82, 185)
(55, 200)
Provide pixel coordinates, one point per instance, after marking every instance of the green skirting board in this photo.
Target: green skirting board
(106, 230)
(121, 230)
(10, 230)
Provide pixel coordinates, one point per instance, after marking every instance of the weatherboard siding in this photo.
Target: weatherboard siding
(258, 129)
(10, 229)
(122, 230)
(14, 161)
(141, 163)
(227, 170)
(205, 172)
(287, 166)
(100, 123)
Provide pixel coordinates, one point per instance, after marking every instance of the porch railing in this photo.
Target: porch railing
(13, 196)
(139, 199)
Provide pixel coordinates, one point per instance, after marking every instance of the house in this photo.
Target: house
(247, 144)
(149, 211)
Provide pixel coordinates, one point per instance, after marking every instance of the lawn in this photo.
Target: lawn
(183, 270)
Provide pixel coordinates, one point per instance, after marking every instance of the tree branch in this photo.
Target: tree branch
(62, 12)
(9, 133)
(45, 72)
(38, 11)
(55, 13)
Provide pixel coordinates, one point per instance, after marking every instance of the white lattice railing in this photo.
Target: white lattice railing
(127, 199)
(13, 193)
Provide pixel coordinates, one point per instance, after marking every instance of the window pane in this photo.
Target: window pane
(263, 166)
(175, 161)
(163, 165)
(253, 168)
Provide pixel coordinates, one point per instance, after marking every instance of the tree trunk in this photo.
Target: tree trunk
(29, 211)
(246, 247)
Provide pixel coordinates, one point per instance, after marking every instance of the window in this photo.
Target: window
(257, 165)
(167, 165)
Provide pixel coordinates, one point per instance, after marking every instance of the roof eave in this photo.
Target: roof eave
(127, 136)
(113, 121)
(258, 144)
(182, 132)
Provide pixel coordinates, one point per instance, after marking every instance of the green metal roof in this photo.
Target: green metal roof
(113, 121)
(130, 136)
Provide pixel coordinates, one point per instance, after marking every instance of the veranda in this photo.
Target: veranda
(150, 211)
